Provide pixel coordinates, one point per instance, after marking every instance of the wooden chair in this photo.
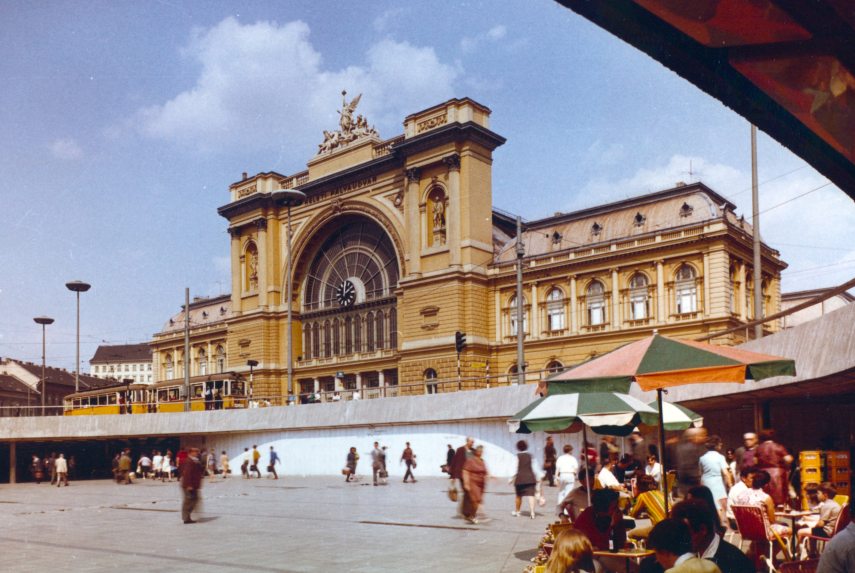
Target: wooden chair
(752, 522)
(839, 525)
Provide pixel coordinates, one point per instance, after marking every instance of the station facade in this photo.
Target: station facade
(398, 247)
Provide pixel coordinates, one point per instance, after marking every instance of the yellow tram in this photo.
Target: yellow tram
(225, 390)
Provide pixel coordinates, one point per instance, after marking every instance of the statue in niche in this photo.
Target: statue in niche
(253, 269)
(438, 218)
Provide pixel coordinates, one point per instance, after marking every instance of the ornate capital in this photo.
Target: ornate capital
(452, 162)
(234, 232)
(413, 174)
(261, 224)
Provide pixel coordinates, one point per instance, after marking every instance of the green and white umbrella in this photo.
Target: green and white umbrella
(676, 417)
(611, 413)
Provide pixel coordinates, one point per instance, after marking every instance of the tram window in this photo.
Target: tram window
(237, 388)
(197, 390)
(173, 394)
(112, 398)
(102, 400)
(76, 403)
(161, 395)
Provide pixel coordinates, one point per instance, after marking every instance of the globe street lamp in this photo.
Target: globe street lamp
(78, 287)
(44, 321)
(289, 198)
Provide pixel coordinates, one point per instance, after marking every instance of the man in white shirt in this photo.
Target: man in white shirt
(61, 470)
(607, 478)
(566, 470)
(738, 488)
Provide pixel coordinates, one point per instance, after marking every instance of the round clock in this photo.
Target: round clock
(345, 293)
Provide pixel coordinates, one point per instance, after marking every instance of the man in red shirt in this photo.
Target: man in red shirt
(191, 483)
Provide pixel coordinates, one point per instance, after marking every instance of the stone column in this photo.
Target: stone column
(381, 381)
(453, 215)
(660, 292)
(574, 303)
(705, 303)
(534, 331)
(741, 307)
(261, 243)
(499, 326)
(317, 384)
(414, 233)
(617, 321)
(237, 271)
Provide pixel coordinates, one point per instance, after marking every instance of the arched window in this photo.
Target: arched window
(380, 330)
(169, 366)
(316, 340)
(203, 362)
(369, 331)
(554, 367)
(430, 381)
(336, 337)
(555, 310)
(348, 335)
(393, 328)
(327, 339)
(595, 300)
(686, 290)
(515, 314)
(357, 334)
(639, 300)
(221, 359)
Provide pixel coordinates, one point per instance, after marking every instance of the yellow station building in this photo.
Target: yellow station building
(398, 247)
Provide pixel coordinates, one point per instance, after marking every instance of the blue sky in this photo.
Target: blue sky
(123, 124)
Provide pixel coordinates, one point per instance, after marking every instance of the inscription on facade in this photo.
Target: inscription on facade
(431, 123)
(246, 191)
(351, 186)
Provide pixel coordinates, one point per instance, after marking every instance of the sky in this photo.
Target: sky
(122, 125)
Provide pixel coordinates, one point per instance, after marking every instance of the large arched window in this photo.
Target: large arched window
(595, 300)
(203, 362)
(686, 289)
(515, 316)
(430, 381)
(221, 359)
(554, 366)
(169, 367)
(639, 299)
(555, 310)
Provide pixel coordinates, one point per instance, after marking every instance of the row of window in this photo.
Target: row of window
(105, 368)
(200, 364)
(685, 292)
(358, 332)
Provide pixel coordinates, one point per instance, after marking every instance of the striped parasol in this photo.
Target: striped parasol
(612, 413)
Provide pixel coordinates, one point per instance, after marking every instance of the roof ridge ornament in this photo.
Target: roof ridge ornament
(350, 128)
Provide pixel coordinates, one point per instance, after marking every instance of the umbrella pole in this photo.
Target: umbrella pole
(662, 456)
(585, 458)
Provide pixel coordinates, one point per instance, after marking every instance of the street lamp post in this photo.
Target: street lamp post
(44, 321)
(289, 198)
(252, 364)
(78, 287)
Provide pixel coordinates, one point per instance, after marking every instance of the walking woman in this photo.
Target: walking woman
(474, 479)
(350, 466)
(525, 480)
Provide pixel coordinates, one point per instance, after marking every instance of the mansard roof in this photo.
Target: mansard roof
(204, 311)
(115, 353)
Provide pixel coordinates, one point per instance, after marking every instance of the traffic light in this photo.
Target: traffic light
(459, 341)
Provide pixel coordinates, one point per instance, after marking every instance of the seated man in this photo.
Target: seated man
(577, 500)
(737, 490)
(672, 542)
(828, 512)
(702, 523)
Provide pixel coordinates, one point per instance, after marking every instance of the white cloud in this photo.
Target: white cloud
(471, 43)
(66, 148)
(814, 233)
(263, 83)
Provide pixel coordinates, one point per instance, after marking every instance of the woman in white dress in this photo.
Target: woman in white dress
(166, 467)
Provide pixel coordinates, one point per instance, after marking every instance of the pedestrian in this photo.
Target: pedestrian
(687, 456)
(37, 469)
(156, 464)
(191, 483)
(376, 461)
(639, 448)
(525, 480)
(746, 455)
(144, 466)
(474, 479)
(271, 465)
(384, 473)
(244, 467)
(775, 460)
(114, 466)
(51, 466)
(224, 464)
(211, 464)
(449, 455)
(462, 454)
(550, 455)
(166, 466)
(566, 469)
(350, 465)
(124, 475)
(409, 458)
(256, 456)
(218, 399)
(61, 470)
(715, 474)
(209, 399)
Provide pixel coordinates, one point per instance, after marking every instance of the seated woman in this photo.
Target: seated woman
(571, 553)
(649, 500)
(756, 496)
(672, 542)
(705, 495)
(603, 524)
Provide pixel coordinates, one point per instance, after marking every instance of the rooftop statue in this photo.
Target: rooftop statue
(350, 129)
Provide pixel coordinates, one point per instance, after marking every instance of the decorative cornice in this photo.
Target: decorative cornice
(413, 174)
(452, 162)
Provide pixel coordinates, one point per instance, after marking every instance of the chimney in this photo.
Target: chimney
(244, 176)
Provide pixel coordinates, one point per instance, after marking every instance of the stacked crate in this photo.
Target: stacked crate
(837, 470)
(811, 463)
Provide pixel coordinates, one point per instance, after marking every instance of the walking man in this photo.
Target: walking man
(61, 470)
(567, 468)
(274, 459)
(549, 456)
(409, 458)
(376, 460)
(191, 482)
(124, 467)
(256, 456)
(463, 453)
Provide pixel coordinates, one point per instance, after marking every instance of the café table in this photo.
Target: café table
(792, 516)
(628, 554)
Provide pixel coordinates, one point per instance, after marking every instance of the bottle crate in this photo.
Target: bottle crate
(811, 459)
(837, 459)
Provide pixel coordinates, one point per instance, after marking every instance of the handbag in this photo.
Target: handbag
(345, 471)
(452, 492)
(383, 474)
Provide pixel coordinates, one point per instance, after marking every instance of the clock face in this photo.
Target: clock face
(345, 293)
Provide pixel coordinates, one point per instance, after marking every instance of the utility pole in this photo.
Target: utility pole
(187, 349)
(520, 306)
(755, 223)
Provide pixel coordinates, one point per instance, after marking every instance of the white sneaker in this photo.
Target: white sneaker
(515, 513)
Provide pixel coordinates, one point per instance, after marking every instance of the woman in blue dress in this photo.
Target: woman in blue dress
(715, 474)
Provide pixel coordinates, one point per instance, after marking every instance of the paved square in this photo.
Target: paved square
(291, 524)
